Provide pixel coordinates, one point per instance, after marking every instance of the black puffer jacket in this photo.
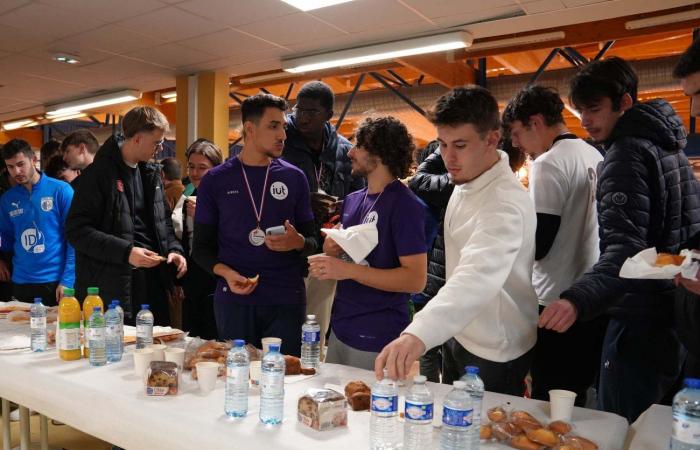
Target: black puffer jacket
(647, 197)
(433, 186)
(100, 224)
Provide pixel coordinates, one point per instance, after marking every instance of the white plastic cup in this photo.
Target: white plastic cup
(207, 372)
(270, 340)
(176, 355)
(158, 351)
(255, 372)
(142, 359)
(561, 404)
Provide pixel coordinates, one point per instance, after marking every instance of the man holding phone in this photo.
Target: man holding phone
(253, 229)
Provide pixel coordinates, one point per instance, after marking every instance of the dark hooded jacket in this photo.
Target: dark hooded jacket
(100, 224)
(647, 197)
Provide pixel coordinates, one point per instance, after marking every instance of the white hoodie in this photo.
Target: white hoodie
(488, 303)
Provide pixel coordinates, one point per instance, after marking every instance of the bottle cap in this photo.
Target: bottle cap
(68, 292)
(311, 317)
(37, 300)
(239, 342)
(97, 308)
(274, 348)
(93, 291)
(115, 302)
(472, 370)
(459, 384)
(145, 306)
(693, 383)
(420, 379)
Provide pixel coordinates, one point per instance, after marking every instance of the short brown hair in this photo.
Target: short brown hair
(143, 118)
(81, 136)
(467, 104)
(207, 149)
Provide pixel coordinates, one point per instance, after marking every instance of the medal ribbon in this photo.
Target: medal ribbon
(258, 215)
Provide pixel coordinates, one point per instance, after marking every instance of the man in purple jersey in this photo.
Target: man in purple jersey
(371, 301)
(237, 203)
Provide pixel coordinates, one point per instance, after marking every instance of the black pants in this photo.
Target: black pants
(147, 288)
(641, 360)
(431, 362)
(28, 292)
(506, 378)
(568, 360)
(198, 308)
(253, 323)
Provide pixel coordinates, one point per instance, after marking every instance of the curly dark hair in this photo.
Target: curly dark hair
(534, 100)
(466, 104)
(611, 77)
(689, 62)
(387, 138)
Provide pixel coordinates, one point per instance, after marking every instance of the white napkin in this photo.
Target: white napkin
(15, 342)
(641, 266)
(357, 241)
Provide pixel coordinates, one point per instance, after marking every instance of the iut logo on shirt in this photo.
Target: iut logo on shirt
(371, 217)
(279, 190)
(33, 240)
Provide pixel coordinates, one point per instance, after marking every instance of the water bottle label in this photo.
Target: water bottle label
(311, 337)
(95, 334)
(418, 412)
(686, 428)
(385, 404)
(69, 338)
(37, 322)
(144, 331)
(113, 331)
(457, 417)
(237, 375)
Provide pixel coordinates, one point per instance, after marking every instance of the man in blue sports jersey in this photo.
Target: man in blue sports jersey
(32, 218)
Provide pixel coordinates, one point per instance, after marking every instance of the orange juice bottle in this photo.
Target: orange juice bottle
(92, 301)
(68, 339)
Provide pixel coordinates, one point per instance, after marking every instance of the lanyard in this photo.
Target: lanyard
(258, 214)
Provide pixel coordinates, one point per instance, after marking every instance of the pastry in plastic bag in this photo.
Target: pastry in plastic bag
(543, 436)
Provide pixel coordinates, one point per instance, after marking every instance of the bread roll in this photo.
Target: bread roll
(667, 259)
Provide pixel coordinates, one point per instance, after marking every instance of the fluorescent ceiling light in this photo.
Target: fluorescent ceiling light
(662, 20)
(66, 117)
(92, 102)
(520, 40)
(168, 94)
(379, 52)
(18, 124)
(308, 5)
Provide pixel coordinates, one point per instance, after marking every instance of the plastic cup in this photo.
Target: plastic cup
(158, 351)
(561, 404)
(255, 372)
(176, 355)
(207, 372)
(142, 359)
(270, 340)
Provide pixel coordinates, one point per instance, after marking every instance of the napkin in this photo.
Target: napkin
(357, 241)
(641, 266)
(15, 342)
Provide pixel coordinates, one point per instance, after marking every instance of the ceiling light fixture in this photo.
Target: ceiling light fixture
(77, 115)
(168, 94)
(66, 59)
(520, 40)
(662, 20)
(309, 5)
(92, 102)
(378, 52)
(24, 123)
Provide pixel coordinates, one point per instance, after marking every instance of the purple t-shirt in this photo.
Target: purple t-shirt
(363, 317)
(223, 200)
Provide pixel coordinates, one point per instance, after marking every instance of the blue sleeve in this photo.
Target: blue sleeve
(65, 197)
(408, 226)
(7, 235)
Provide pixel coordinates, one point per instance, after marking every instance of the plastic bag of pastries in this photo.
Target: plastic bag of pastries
(322, 409)
(162, 378)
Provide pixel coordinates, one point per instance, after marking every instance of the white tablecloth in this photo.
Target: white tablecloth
(109, 402)
(652, 430)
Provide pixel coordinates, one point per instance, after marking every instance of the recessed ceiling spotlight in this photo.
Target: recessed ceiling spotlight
(66, 59)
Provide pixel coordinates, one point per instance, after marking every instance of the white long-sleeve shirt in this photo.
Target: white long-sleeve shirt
(488, 303)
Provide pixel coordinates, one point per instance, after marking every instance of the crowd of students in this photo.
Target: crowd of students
(512, 281)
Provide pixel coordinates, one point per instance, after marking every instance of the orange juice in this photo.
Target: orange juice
(68, 339)
(92, 301)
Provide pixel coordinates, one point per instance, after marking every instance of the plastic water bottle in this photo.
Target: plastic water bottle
(475, 387)
(113, 335)
(686, 417)
(237, 373)
(96, 336)
(272, 387)
(456, 418)
(311, 343)
(384, 419)
(120, 311)
(37, 323)
(418, 411)
(144, 327)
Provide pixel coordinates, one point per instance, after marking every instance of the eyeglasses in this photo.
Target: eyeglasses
(311, 113)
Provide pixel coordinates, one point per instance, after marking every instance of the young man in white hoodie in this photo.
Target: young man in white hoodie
(486, 314)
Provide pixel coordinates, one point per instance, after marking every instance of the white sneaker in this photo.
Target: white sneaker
(14, 415)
